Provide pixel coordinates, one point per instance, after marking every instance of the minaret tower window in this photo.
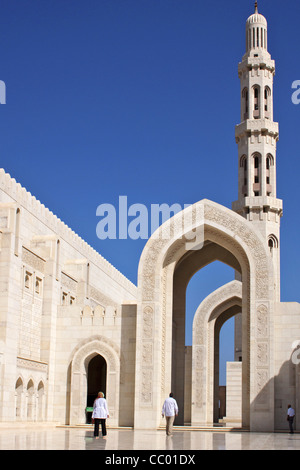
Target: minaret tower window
(257, 177)
(256, 91)
(267, 102)
(269, 174)
(245, 104)
(272, 242)
(243, 166)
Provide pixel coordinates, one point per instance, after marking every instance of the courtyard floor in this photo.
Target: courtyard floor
(182, 441)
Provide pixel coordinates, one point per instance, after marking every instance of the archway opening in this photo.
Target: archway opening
(227, 349)
(226, 356)
(19, 394)
(30, 400)
(227, 366)
(203, 283)
(165, 269)
(96, 381)
(221, 265)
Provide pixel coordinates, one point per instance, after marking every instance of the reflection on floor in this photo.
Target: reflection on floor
(81, 438)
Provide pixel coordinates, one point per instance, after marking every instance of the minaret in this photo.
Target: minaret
(257, 136)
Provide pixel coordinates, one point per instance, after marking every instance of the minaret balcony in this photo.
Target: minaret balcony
(254, 126)
(263, 61)
(254, 202)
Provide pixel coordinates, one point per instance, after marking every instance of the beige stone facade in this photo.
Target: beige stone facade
(71, 324)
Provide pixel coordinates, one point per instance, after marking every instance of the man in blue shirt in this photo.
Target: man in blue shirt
(290, 418)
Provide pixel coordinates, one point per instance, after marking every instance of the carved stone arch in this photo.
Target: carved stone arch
(30, 384)
(19, 396)
(30, 398)
(20, 380)
(213, 311)
(79, 360)
(163, 254)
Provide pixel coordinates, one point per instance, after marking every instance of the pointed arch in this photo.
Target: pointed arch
(257, 172)
(19, 391)
(256, 101)
(165, 252)
(40, 401)
(30, 400)
(213, 311)
(79, 360)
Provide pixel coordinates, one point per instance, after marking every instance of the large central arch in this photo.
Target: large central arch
(230, 238)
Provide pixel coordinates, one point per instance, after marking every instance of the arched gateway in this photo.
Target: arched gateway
(166, 265)
(81, 358)
(211, 314)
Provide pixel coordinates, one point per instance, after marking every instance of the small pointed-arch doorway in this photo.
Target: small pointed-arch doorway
(96, 381)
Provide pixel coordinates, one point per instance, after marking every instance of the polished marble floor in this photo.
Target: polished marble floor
(56, 438)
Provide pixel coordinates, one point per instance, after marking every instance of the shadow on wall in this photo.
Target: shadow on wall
(286, 385)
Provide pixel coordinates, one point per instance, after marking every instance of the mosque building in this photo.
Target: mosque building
(71, 324)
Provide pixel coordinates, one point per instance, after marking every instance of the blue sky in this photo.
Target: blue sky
(140, 98)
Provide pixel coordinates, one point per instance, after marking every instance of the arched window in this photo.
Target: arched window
(19, 394)
(256, 93)
(30, 400)
(244, 175)
(269, 174)
(257, 174)
(269, 161)
(267, 106)
(27, 280)
(40, 402)
(38, 284)
(245, 104)
(272, 243)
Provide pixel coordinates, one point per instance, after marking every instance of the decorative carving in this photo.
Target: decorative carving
(30, 364)
(148, 322)
(147, 354)
(33, 260)
(262, 387)
(198, 362)
(262, 354)
(101, 298)
(100, 344)
(68, 282)
(262, 321)
(95, 347)
(146, 387)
